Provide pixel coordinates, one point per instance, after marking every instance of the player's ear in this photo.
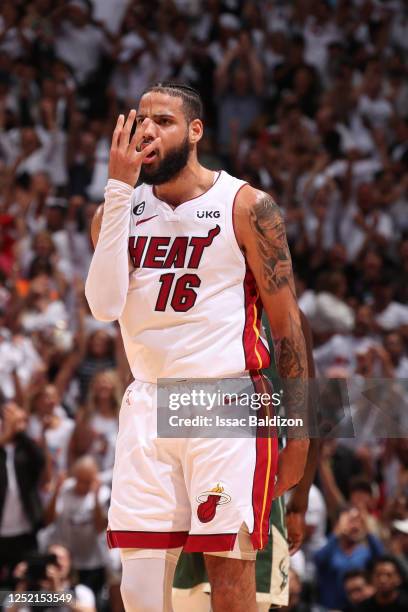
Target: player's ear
(195, 131)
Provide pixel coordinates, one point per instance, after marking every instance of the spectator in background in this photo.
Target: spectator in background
(357, 588)
(59, 578)
(79, 509)
(239, 85)
(41, 308)
(389, 314)
(315, 535)
(395, 468)
(62, 579)
(394, 345)
(97, 423)
(50, 427)
(341, 349)
(78, 41)
(399, 542)
(349, 546)
(20, 362)
(95, 353)
(81, 156)
(22, 465)
(388, 581)
(365, 224)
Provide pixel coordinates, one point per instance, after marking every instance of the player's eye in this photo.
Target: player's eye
(164, 121)
(139, 120)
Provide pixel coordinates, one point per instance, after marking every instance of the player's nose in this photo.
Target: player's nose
(150, 129)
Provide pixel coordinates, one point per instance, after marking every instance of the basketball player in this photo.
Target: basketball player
(185, 262)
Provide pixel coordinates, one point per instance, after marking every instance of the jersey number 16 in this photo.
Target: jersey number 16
(184, 294)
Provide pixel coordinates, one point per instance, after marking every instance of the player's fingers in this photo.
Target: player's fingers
(138, 136)
(125, 133)
(294, 545)
(278, 490)
(149, 148)
(117, 131)
(281, 487)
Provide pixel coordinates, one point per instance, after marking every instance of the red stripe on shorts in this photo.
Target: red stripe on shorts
(265, 468)
(146, 539)
(217, 542)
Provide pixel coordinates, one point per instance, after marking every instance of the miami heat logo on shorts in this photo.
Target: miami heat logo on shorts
(208, 502)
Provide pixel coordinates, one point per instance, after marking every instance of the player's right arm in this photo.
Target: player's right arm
(96, 225)
(107, 283)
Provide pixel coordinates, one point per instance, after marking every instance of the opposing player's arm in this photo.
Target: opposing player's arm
(261, 235)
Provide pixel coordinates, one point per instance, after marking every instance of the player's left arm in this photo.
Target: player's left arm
(300, 495)
(261, 236)
(297, 505)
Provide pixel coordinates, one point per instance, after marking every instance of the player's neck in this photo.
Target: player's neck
(193, 181)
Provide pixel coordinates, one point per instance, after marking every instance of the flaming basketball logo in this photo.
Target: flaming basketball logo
(208, 502)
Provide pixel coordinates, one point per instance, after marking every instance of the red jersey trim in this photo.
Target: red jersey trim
(217, 542)
(256, 354)
(146, 539)
(266, 466)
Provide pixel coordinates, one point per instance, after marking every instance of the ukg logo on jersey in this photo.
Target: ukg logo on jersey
(208, 214)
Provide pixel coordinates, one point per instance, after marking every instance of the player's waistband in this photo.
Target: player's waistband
(185, 379)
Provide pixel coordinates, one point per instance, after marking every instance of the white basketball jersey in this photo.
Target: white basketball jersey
(193, 309)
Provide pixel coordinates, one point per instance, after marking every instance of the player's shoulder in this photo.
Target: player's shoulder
(254, 208)
(252, 201)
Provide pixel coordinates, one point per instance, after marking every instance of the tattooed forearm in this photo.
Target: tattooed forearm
(288, 358)
(291, 363)
(266, 221)
(290, 352)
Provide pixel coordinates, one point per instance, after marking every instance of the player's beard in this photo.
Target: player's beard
(169, 167)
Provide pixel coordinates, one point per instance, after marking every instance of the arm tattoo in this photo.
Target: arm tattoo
(290, 352)
(267, 224)
(291, 363)
(276, 273)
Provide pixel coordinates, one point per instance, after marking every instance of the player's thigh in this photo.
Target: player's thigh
(148, 488)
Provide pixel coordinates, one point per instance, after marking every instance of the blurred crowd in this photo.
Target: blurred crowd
(307, 100)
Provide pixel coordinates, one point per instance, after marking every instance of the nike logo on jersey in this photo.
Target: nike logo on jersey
(166, 252)
(144, 220)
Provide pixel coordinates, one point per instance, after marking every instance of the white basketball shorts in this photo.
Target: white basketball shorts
(190, 492)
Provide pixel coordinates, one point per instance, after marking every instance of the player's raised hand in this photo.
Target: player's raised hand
(125, 160)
